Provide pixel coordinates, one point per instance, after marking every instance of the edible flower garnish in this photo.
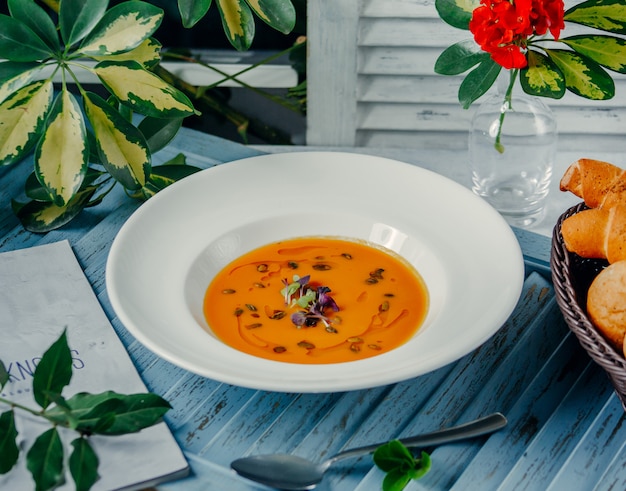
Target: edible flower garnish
(315, 302)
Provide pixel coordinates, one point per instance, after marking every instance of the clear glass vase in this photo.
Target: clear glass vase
(512, 147)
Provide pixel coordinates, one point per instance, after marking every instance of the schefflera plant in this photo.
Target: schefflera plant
(84, 144)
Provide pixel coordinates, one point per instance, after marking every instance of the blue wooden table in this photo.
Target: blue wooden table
(565, 429)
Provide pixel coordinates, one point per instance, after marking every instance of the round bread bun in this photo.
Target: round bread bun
(606, 304)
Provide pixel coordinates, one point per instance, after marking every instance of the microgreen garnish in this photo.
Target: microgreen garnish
(297, 285)
(400, 465)
(314, 302)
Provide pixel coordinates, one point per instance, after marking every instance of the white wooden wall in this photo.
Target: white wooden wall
(371, 81)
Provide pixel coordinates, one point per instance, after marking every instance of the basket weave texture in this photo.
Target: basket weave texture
(572, 276)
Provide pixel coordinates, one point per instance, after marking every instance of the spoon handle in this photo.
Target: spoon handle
(475, 428)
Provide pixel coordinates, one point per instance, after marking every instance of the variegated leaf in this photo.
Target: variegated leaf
(583, 77)
(15, 75)
(123, 27)
(606, 15)
(542, 77)
(37, 19)
(143, 91)
(166, 175)
(22, 117)
(122, 147)
(478, 81)
(42, 216)
(608, 51)
(279, 14)
(18, 42)
(457, 13)
(147, 53)
(191, 11)
(238, 22)
(78, 17)
(61, 154)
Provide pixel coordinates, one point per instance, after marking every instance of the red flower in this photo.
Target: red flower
(502, 27)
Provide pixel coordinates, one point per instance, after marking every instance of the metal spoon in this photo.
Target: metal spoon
(290, 472)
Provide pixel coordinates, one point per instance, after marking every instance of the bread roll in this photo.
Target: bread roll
(606, 304)
(597, 233)
(597, 183)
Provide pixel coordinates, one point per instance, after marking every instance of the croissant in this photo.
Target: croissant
(597, 183)
(597, 233)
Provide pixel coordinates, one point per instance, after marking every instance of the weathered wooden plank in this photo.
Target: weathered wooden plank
(406, 141)
(604, 438)
(422, 32)
(398, 8)
(550, 448)
(526, 418)
(331, 74)
(431, 88)
(451, 117)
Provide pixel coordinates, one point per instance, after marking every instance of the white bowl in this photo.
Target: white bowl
(166, 254)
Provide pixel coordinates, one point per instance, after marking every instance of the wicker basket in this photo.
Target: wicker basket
(572, 276)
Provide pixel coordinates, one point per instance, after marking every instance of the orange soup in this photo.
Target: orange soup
(316, 300)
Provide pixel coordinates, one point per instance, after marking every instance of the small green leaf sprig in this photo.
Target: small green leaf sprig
(107, 413)
(399, 464)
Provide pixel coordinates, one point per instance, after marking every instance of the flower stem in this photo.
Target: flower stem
(506, 106)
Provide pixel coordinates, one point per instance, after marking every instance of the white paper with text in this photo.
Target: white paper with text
(43, 290)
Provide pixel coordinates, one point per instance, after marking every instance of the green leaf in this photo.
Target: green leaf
(122, 147)
(53, 372)
(83, 464)
(457, 13)
(166, 175)
(148, 54)
(18, 42)
(392, 455)
(62, 152)
(606, 15)
(23, 116)
(478, 81)
(140, 411)
(191, 11)
(542, 77)
(159, 132)
(238, 22)
(459, 58)
(15, 75)
(4, 375)
(278, 14)
(37, 19)
(132, 412)
(78, 17)
(44, 460)
(123, 27)
(143, 91)
(422, 466)
(396, 480)
(607, 51)
(41, 217)
(101, 417)
(9, 451)
(399, 465)
(583, 77)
